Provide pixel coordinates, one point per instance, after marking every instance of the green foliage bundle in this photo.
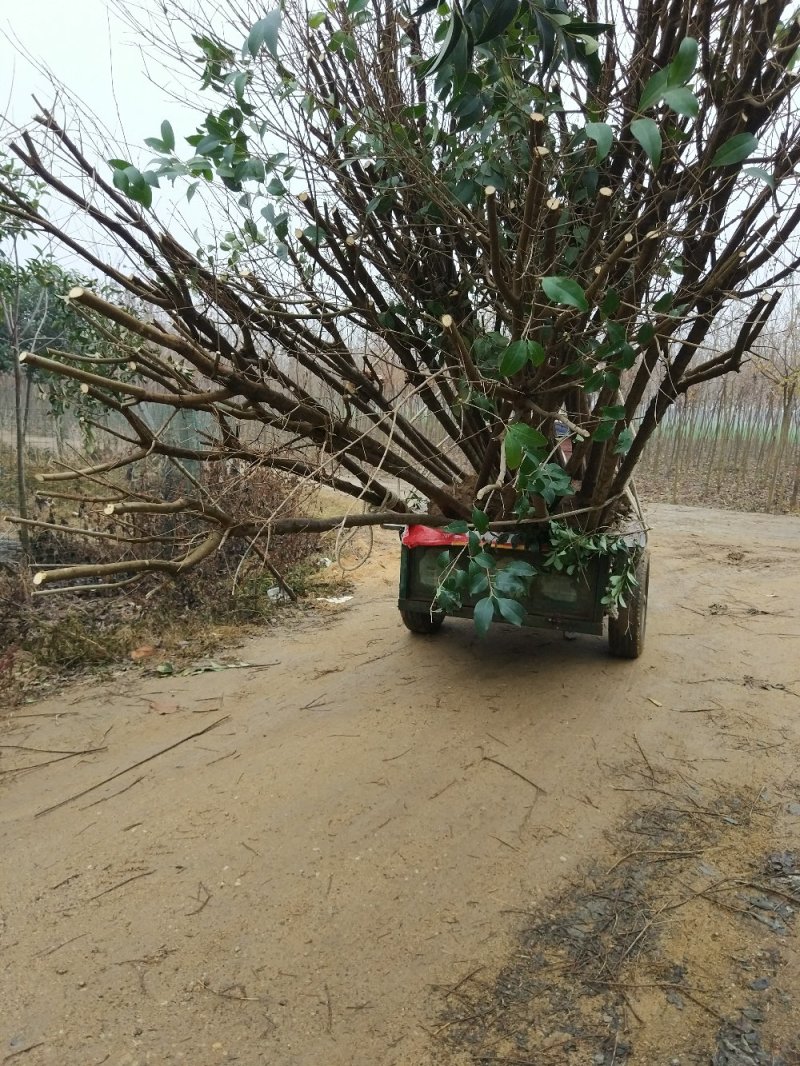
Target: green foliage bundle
(526, 220)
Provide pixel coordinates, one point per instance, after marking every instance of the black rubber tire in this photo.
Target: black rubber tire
(422, 622)
(626, 632)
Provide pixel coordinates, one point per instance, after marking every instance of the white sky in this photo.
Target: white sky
(90, 50)
(94, 54)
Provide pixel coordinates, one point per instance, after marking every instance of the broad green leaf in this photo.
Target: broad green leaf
(511, 446)
(240, 83)
(518, 354)
(251, 170)
(645, 333)
(626, 357)
(590, 44)
(460, 579)
(611, 302)
(209, 144)
(761, 174)
(614, 412)
(477, 583)
(341, 41)
(483, 615)
(682, 101)
(455, 31)
(316, 20)
(519, 568)
(379, 203)
(447, 601)
(602, 135)
(513, 359)
(508, 585)
(547, 37)
(577, 25)
(468, 106)
(528, 438)
(138, 187)
(565, 291)
(594, 382)
(484, 560)
(653, 90)
(457, 527)
(603, 431)
(264, 32)
(501, 14)
(167, 136)
(536, 353)
(142, 194)
(624, 442)
(735, 150)
(682, 66)
(120, 180)
(480, 520)
(511, 610)
(459, 57)
(648, 135)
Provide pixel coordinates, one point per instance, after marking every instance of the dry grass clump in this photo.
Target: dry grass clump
(180, 618)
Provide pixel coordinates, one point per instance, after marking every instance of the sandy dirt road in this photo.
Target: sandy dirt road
(369, 814)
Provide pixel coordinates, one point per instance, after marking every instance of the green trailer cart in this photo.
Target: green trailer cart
(555, 600)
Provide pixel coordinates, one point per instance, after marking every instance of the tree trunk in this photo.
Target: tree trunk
(677, 454)
(26, 410)
(781, 446)
(22, 490)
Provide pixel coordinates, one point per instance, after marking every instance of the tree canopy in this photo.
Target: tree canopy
(454, 235)
(39, 287)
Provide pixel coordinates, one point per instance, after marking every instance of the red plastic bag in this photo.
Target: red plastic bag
(428, 537)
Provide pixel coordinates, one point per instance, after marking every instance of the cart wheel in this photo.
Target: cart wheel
(626, 631)
(425, 622)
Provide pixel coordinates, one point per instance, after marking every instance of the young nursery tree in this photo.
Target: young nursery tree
(454, 234)
(781, 368)
(22, 315)
(36, 318)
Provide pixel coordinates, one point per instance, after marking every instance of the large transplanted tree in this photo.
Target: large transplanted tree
(454, 233)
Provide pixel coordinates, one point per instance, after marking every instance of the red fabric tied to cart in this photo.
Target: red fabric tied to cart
(428, 537)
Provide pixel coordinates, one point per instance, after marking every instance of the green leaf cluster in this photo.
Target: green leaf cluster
(495, 583)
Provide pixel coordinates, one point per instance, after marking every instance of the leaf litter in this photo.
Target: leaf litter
(674, 947)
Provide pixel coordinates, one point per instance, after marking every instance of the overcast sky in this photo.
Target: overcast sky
(89, 49)
(94, 53)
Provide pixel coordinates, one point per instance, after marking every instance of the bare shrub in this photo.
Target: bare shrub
(182, 614)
